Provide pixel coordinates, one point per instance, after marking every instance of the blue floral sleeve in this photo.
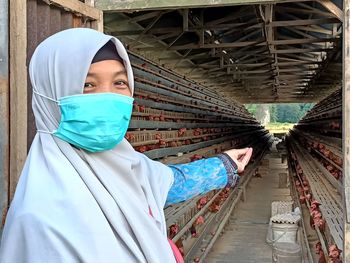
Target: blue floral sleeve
(200, 177)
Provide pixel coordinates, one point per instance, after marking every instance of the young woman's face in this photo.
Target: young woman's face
(107, 76)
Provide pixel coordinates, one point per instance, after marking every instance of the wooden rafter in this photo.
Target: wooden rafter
(284, 54)
(330, 6)
(257, 42)
(238, 26)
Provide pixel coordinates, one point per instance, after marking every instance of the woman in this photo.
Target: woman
(84, 194)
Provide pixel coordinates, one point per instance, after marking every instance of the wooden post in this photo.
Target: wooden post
(18, 90)
(98, 23)
(4, 109)
(346, 128)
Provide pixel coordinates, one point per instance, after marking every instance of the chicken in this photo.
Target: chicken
(334, 254)
(162, 143)
(334, 125)
(193, 231)
(173, 144)
(141, 108)
(129, 136)
(181, 132)
(201, 202)
(308, 196)
(180, 246)
(141, 149)
(187, 142)
(215, 206)
(158, 136)
(320, 223)
(196, 157)
(197, 132)
(319, 251)
(199, 220)
(314, 210)
(173, 230)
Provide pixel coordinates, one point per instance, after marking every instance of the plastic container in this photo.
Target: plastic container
(284, 252)
(284, 232)
(281, 207)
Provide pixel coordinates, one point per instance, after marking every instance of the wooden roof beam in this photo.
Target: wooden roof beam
(267, 15)
(299, 63)
(299, 69)
(304, 10)
(263, 71)
(149, 26)
(335, 10)
(257, 42)
(137, 5)
(300, 32)
(77, 7)
(240, 26)
(301, 50)
(144, 16)
(240, 65)
(294, 57)
(316, 29)
(242, 11)
(183, 58)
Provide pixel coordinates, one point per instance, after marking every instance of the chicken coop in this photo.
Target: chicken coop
(196, 63)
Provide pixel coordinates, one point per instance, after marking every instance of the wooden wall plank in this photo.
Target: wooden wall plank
(55, 20)
(24, 32)
(346, 127)
(46, 19)
(43, 21)
(76, 6)
(18, 90)
(4, 110)
(66, 20)
(32, 42)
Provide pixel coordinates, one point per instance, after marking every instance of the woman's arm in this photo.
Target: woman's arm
(201, 176)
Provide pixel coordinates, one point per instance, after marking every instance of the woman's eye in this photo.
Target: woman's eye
(121, 83)
(88, 85)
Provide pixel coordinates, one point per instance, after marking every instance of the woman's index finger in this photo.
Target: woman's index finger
(247, 156)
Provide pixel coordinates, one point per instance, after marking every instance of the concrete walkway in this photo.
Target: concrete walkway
(243, 240)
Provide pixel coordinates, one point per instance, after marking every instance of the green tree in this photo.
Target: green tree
(285, 112)
(251, 108)
(273, 112)
(290, 112)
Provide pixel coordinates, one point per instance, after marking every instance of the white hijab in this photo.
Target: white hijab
(74, 206)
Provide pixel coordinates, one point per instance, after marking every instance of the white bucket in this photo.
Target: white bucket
(282, 232)
(286, 253)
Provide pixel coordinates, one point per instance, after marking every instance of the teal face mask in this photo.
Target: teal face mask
(94, 122)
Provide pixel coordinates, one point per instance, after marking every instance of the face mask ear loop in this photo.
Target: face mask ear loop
(42, 95)
(46, 97)
(47, 132)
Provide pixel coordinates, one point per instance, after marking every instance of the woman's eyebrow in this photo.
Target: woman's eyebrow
(117, 73)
